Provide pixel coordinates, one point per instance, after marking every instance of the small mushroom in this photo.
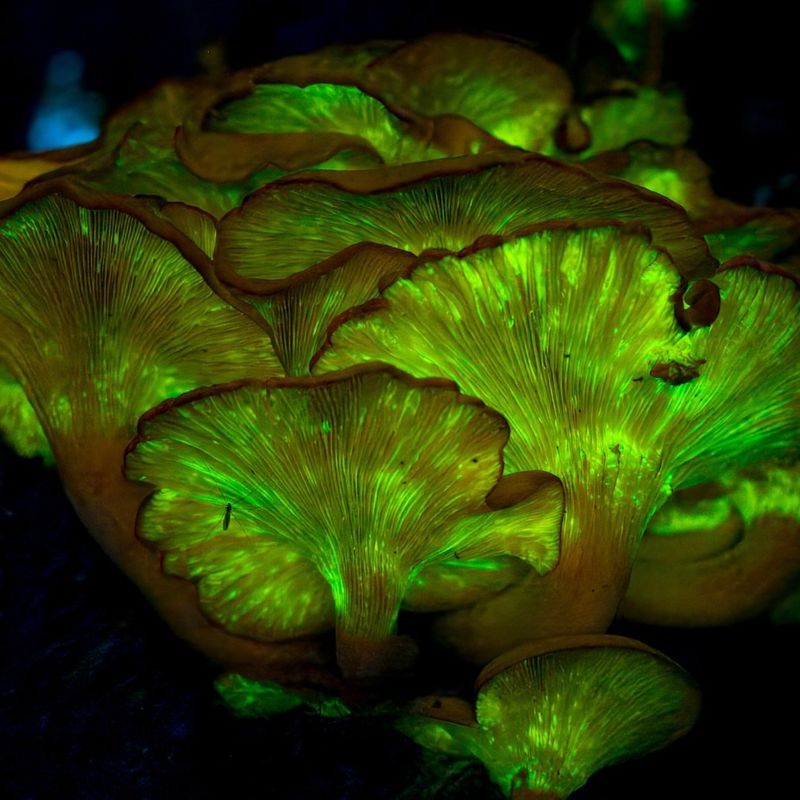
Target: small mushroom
(549, 715)
(299, 315)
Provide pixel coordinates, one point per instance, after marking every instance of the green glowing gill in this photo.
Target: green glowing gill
(553, 721)
(573, 377)
(288, 228)
(99, 319)
(339, 495)
(322, 107)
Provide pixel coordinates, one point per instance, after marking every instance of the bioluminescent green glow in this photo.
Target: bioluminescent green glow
(762, 233)
(648, 114)
(100, 319)
(290, 227)
(322, 107)
(299, 316)
(349, 487)
(549, 722)
(560, 331)
(19, 426)
(503, 87)
(730, 572)
(628, 23)
(253, 698)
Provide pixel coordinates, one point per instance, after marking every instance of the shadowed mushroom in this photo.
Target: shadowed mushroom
(102, 316)
(307, 502)
(501, 85)
(635, 113)
(729, 228)
(701, 568)
(549, 715)
(570, 333)
(261, 244)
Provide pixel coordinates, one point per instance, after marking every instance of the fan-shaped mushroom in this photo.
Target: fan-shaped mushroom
(570, 333)
(549, 715)
(344, 489)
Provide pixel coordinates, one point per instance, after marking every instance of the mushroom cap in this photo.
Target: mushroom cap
(730, 229)
(260, 244)
(299, 315)
(99, 313)
(248, 127)
(570, 333)
(726, 566)
(639, 113)
(305, 499)
(551, 714)
(526, 326)
(501, 85)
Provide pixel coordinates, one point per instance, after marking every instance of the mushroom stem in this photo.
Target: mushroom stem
(581, 594)
(524, 793)
(107, 503)
(367, 598)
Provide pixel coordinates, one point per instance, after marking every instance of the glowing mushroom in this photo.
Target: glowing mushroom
(103, 314)
(570, 333)
(503, 86)
(729, 228)
(299, 314)
(549, 715)
(261, 245)
(290, 127)
(305, 503)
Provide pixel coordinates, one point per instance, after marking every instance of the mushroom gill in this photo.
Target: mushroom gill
(570, 332)
(301, 504)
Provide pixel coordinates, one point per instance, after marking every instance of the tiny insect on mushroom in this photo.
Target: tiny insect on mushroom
(550, 714)
(349, 486)
(565, 331)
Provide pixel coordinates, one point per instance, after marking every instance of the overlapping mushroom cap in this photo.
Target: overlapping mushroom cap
(305, 502)
(550, 715)
(101, 316)
(722, 552)
(730, 229)
(571, 334)
(447, 206)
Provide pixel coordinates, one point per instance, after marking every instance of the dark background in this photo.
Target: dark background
(98, 700)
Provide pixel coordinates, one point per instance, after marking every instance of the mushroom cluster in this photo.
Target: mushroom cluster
(406, 348)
